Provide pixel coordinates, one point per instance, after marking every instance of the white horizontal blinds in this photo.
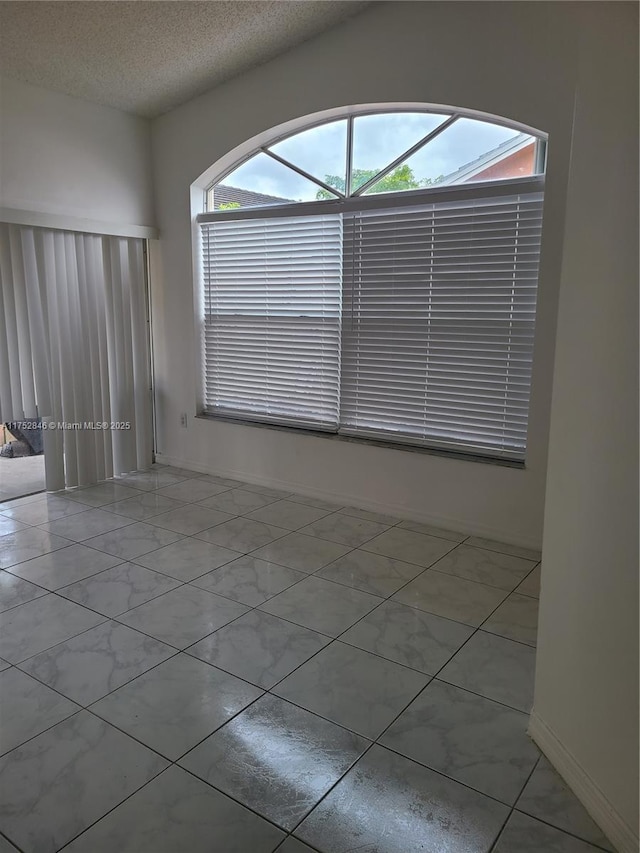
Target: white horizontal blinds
(438, 322)
(272, 318)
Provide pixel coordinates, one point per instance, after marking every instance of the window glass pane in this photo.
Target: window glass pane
(321, 151)
(466, 152)
(380, 139)
(261, 181)
(272, 296)
(440, 306)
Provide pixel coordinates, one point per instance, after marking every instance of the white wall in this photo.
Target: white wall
(586, 697)
(508, 59)
(68, 157)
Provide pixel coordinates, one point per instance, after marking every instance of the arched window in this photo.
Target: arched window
(375, 275)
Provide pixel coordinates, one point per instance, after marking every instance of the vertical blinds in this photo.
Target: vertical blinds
(272, 319)
(438, 324)
(74, 349)
(412, 323)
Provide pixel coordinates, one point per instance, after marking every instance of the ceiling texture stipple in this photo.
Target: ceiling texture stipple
(148, 57)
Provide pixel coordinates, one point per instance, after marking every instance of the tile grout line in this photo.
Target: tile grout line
(377, 739)
(144, 785)
(115, 619)
(180, 582)
(515, 808)
(87, 708)
(255, 607)
(372, 743)
(184, 583)
(19, 849)
(171, 764)
(185, 649)
(512, 808)
(191, 581)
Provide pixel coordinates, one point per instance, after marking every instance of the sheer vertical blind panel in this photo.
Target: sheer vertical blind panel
(272, 305)
(438, 322)
(74, 349)
(17, 383)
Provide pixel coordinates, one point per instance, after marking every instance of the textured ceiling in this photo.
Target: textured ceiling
(148, 57)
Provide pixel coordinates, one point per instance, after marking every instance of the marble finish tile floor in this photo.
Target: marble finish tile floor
(193, 664)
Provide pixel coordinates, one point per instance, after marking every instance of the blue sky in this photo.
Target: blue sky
(378, 140)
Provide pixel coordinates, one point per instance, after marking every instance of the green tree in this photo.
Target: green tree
(402, 178)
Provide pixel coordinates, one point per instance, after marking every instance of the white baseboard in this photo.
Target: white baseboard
(485, 531)
(623, 837)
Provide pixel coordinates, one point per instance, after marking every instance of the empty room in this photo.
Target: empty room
(319, 423)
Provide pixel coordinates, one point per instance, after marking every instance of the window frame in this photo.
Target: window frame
(540, 153)
(356, 201)
(501, 187)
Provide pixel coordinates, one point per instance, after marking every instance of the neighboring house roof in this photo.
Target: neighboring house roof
(504, 150)
(223, 194)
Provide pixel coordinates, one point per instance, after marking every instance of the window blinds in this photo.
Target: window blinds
(272, 293)
(73, 339)
(412, 324)
(438, 321)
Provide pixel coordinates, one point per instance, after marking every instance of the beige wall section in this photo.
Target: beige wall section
(68, 157)
(587, 667)
(513, 60)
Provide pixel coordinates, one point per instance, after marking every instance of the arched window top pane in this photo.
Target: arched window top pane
(380, 139)
(320, 151)
(261, 181)
(468, 151)
(378, 153)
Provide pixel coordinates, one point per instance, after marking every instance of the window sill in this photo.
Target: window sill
(389, 445)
